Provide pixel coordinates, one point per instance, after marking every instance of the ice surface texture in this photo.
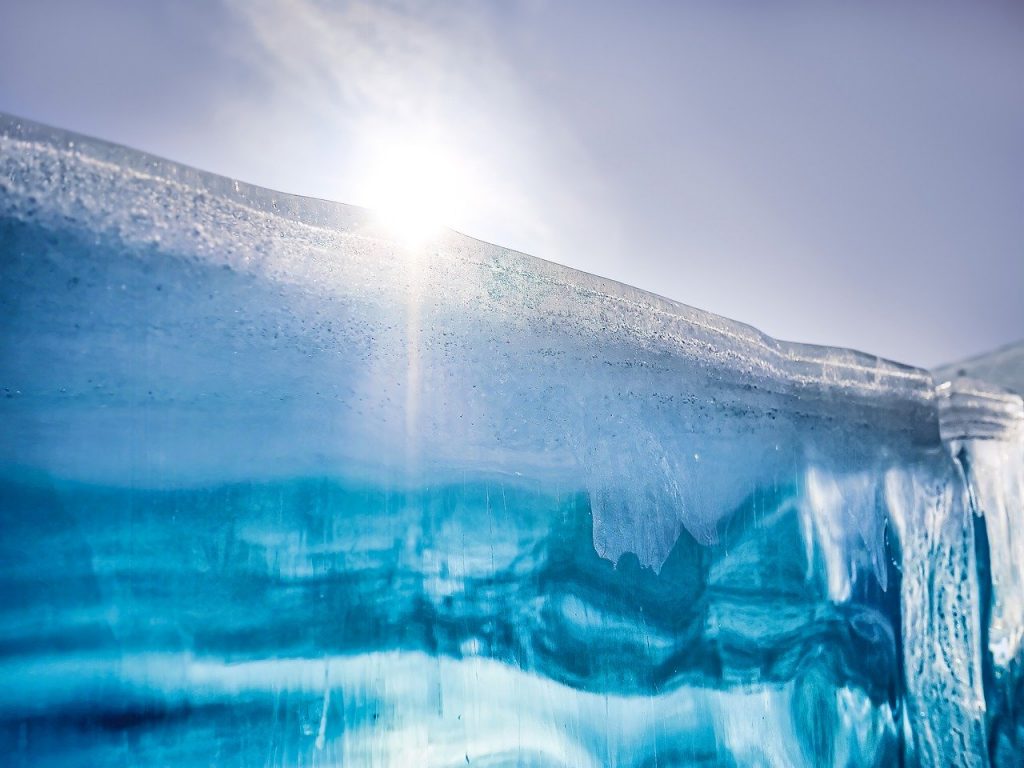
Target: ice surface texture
(1003, 367)
(276, 489)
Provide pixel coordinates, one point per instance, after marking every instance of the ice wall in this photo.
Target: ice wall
(278, 489)
(983, 426)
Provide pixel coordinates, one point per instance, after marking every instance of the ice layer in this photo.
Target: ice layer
(278, 489)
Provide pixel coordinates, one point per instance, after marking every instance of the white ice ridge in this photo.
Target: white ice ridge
(142, 199)
(1003, 367)
(973, 409)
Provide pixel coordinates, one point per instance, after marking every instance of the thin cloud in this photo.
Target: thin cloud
(373, 74)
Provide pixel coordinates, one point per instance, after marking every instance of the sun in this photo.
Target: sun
(416, 187)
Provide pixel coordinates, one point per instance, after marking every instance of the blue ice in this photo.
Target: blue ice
(277, 489)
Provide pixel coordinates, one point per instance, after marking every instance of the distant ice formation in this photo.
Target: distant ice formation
(1003, 367)
(277, 489)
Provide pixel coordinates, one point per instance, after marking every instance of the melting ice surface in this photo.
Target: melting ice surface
(277, 490)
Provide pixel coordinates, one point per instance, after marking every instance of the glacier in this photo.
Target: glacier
(278, 489)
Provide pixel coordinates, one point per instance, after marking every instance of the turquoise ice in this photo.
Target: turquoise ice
(276, 489)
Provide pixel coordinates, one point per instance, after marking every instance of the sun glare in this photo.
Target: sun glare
(416, 188)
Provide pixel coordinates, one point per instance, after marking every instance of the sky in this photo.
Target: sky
(849, 174)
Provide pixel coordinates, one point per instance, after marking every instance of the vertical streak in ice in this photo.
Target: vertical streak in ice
(983, 428)
(413, 308)
(939, 604)
(321, 733)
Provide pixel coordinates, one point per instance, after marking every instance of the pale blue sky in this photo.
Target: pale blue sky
(838, 173)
